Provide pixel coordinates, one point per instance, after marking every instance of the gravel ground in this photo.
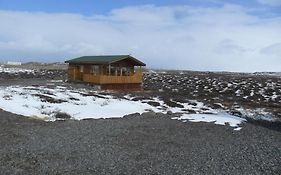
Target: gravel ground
(146, 144)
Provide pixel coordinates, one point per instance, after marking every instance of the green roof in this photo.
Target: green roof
(104, 59)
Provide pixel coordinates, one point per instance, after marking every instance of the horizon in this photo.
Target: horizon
(211, 35)
(150, 68)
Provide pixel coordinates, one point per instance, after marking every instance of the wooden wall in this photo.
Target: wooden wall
(74, 73)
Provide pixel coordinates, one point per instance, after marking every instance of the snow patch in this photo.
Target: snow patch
(45, 102)
(15, 70)
(219, 119)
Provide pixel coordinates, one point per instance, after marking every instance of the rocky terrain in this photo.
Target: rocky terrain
(247, 95)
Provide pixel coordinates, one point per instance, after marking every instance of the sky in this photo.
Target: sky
(209, 35)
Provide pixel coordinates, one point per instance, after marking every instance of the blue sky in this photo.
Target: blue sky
(90, 7)
(86, 7)
(196, 34)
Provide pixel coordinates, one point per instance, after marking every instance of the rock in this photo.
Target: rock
(190, 111)
(236, 113)
(169, 112)
(173, 104)
(153, 103)
(140, 98)
(48, 99)
(132, 115)
(62, 115)
(150, 114)
(217, 106)
(207, 113)
(192, 103)
(204, 109)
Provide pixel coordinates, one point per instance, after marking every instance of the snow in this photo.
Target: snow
(15, 70)
(238, 92)
(45, 102)
(56, 81)
(22, 100)
(237, 129)
(257, 114)
(252, 93)
(219, 119)
(219, 104)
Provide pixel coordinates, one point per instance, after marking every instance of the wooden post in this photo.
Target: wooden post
(101, 70)
(121, 71)
(109, 67)
(133, 70)
(74, 73)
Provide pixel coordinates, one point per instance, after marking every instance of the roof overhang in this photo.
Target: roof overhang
(135, 61)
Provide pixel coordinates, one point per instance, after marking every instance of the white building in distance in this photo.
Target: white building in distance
(13, 63)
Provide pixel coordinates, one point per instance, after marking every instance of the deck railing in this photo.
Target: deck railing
(113, 79)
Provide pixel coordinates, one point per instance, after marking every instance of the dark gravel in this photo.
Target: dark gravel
(139, 144)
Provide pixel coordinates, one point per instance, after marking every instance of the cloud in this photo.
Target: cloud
(229, 46)
(274, 49)
(228, 37)
(270, 2)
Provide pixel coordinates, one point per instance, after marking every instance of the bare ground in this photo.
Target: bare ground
(142, 144)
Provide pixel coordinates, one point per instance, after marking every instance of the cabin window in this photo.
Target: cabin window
(81, 68)
(95, 70)
(106, 70)
(112, 70)
(125, 71)
(118, 70)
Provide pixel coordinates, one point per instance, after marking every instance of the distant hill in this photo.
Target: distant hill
(38, 65)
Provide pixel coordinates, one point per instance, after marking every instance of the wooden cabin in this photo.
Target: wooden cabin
(116, 72)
